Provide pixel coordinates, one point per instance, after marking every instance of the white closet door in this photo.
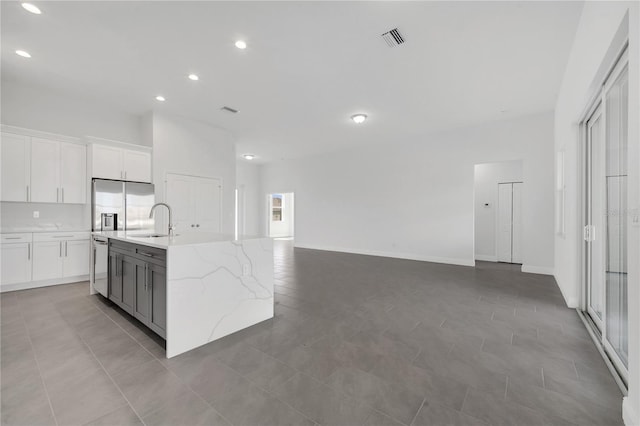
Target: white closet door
(182, 201)
(505, 206)
(516, 228)
(208, 194)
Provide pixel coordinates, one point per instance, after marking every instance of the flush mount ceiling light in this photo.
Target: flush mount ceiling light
(23, 53)
(249, 156)
(160, 98)
(32, 8)
(193, 77)
(359, 118)
(240, 44)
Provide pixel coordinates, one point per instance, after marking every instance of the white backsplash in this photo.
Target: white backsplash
(18, 217)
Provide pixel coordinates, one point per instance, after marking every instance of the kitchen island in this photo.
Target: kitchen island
(194, 288)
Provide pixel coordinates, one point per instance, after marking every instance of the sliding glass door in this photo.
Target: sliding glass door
(606, 217)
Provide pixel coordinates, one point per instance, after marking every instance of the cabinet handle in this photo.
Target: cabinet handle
(146, 276)
(12, 238)
(57, 195)
(192, 225)
(197, 225)
(146, 254)
(60, 248)
(28, 193)
(28, 251)
(65, 249)
(62, 189)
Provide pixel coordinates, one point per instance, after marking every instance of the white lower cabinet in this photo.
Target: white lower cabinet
(15, 256)
(47, 258)
(76, 258)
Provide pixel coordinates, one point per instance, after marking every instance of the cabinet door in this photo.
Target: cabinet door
(137, 166)
(208, 198)
(76, 258)
(115, 277)
(47, 260)
(106, 162)
(15, 159)
(157, 277)
(16, 263)
(45, 171)
(141, 310)
(73, 173)
(130, 277)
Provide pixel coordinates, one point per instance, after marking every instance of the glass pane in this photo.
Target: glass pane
(616, 218)
(596, 283)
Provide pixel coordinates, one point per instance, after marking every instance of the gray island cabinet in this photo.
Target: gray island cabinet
(138, 283)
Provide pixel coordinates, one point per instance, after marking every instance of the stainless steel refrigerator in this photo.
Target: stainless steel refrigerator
(123, 206)
(130, 201)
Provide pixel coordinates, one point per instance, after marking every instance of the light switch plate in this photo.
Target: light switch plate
(36, 214)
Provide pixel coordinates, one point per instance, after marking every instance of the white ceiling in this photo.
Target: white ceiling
(308, 67)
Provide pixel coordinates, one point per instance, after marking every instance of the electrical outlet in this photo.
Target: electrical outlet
(246, 269)
(36, 214)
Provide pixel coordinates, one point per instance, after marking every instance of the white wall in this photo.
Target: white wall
(250, 199)
(603, 28)
(41, 109)
(414, 198)
(486, 179)
(185, 146)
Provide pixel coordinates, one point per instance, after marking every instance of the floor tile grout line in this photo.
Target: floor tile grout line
(35, 357)
(112, 381)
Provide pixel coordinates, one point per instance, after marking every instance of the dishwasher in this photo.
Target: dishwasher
(99, 277)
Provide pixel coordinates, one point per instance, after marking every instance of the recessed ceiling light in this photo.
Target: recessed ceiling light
(240, 44)
(193, 77)
(160, 98)
(359, 118)
(23, 53)
(249, 156)
(32, 8)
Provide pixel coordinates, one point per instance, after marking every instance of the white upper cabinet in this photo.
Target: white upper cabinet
(58, 172)
(45, 171)
(73, 173)
(107, 162)
(15, 159)
(112, 162)
(137, 165)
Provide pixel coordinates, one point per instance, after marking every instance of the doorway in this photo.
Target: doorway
(498, 191)
(281, 215)
(606, 215)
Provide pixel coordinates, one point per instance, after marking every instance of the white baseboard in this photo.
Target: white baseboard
(629, 414)
(485, 258)
(529, 269)
(407, 256)
(44, 283)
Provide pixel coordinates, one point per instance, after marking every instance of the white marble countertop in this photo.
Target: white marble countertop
(180, 239)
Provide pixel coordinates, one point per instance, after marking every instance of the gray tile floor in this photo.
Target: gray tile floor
(356, 340)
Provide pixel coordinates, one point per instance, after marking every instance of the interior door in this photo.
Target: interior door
(208, 199)
(182, 201)
(505, 207)
(516, 223)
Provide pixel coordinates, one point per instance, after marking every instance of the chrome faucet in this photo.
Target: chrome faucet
(168, 208)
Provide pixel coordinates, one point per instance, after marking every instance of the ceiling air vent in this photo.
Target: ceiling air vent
(393, 38)
(228, 109)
